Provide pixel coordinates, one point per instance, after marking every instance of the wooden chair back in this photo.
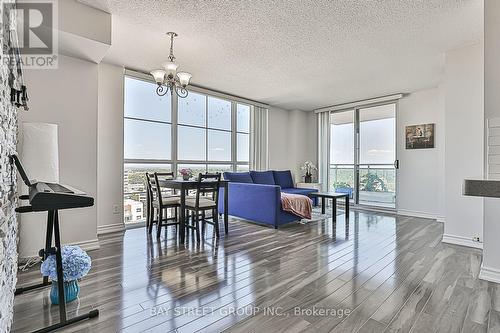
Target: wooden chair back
(157, 187)
(208, 185)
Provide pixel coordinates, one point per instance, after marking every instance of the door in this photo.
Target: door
(377, 156)
(363, 155)
(342, 153)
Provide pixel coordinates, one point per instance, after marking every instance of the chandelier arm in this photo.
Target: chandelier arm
(182, 92)
(161, 90)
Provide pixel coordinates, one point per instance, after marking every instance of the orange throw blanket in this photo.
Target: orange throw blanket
(297, 204)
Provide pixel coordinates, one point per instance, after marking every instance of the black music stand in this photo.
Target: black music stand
(53, 227)
(52, 208)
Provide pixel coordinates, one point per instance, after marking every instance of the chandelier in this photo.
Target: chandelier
(168, 78)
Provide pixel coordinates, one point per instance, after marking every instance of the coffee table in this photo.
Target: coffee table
(334, 196)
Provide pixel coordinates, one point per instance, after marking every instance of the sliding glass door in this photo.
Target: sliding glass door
(377, 156)
(342, 152)
(363, 155)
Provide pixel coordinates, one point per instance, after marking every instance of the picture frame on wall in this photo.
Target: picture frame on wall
(420, 136)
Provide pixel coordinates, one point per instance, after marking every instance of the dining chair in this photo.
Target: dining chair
(161, 202)
(206, 199)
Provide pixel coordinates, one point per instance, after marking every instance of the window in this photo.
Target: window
(142, 102)
(192, 143)
(134, 188)
(163, 134)
(243, 133)
(144, 139)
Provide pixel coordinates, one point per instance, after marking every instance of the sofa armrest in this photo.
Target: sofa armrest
(255, 202)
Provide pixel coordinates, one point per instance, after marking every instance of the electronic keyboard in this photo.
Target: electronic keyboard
(45, 196)
(42, 196)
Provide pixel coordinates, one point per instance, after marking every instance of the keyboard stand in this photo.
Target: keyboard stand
(53, 228)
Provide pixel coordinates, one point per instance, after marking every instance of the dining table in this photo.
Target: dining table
(183, 186)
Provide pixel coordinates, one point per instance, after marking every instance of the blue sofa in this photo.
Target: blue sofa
(256, 196)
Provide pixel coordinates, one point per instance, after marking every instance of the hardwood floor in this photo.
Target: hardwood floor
(382, 273)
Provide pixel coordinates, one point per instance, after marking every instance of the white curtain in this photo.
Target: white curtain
(324, 149)
(259, 155)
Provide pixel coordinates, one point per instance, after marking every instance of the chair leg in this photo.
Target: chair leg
(152, 217)
(159, 223)
(148, 214)
(203, 226)
(216, 223)
(197, 227)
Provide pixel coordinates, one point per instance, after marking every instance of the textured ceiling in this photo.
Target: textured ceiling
(297, 54)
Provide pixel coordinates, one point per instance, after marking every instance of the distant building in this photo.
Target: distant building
(133, 211)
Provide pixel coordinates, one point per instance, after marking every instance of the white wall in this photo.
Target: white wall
(298, 139)
(292, 140)
(110, 149)
(67, 96)
(421, 173)
(464, 140)
(278, 138)
(490, 269)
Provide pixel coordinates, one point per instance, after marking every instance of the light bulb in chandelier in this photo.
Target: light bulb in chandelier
(184, 78)
(170, 68)
(158, 75)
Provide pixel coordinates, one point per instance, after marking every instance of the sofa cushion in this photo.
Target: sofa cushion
(303, 191)
(238, 177)
(283, 178)
(263, 177)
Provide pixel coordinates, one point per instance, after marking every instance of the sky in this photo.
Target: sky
(152, 140)
(377, 142)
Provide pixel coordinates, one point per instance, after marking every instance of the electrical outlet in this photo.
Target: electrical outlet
(116, 209)
(475, 239)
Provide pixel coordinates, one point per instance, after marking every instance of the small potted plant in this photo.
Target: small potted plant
(308, 168)
(186, 173)
(75, 264)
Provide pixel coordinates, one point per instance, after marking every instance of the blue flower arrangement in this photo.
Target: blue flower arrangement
(75, 262)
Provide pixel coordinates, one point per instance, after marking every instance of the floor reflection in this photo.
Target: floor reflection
(142, 283)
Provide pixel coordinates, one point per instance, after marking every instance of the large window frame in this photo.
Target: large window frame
(174, 162)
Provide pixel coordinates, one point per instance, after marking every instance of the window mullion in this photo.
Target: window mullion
(175, 121)
(233, 134)
(206, 133)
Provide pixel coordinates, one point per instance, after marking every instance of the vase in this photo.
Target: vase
(308, 178)
(71, 291)
(185, 177)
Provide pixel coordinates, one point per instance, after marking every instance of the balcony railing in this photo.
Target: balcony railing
(377, 182)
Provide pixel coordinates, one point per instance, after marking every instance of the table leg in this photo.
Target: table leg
(334, 209)
(322, 205)
(226, 209)
(347, 207)
(182, 217)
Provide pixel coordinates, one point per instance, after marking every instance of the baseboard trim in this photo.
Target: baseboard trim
(422, 215)
(462, 241)
(109, 228)
(489, 274)
(88, 245)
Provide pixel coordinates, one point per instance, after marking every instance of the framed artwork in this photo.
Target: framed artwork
(420, 136)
